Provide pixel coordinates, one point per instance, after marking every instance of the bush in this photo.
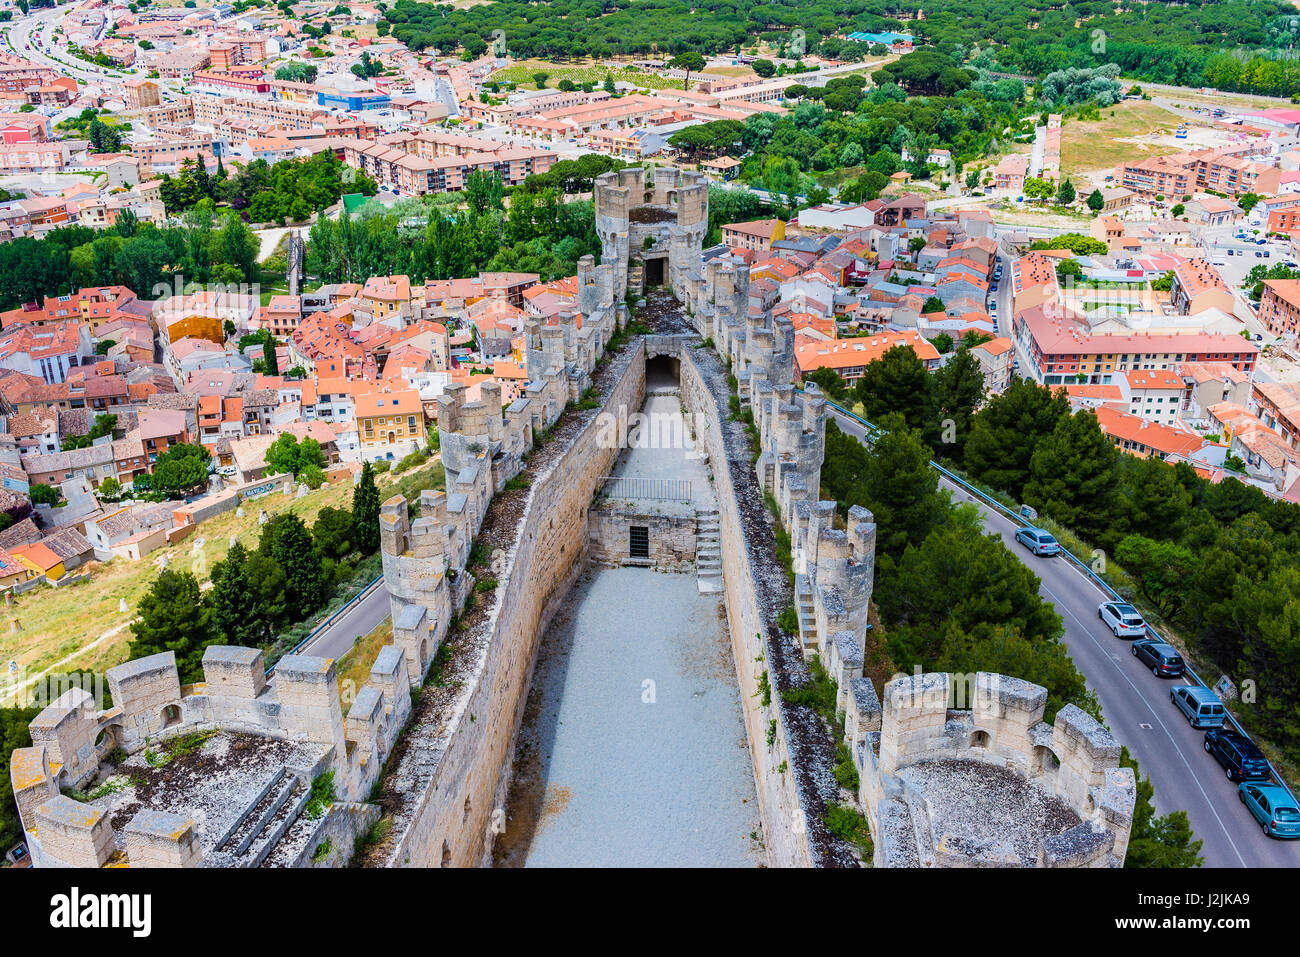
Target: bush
(848, 824)
(418, 457)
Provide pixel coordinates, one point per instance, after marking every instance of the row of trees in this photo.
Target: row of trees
(256, 593)
(1230, 44)
(290, 190)
(1220, 562)
(137, 255)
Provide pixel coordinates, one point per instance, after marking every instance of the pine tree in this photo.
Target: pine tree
(1072, 474)
(958, 389)
(234, 603)
(365, 511)
(898, 382)
(288, 541)
(174, 616)
(1006, 431)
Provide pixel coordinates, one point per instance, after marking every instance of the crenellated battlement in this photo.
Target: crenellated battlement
(1061, 798)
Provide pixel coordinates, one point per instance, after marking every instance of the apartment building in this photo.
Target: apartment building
(139, 94)
(756, 236)
(414, 175)
(1061, 348)
(1197, 286)
(1223, 169)
(995, 358)
(1278, 405)
(1010, 173)
(850, 357)
(212, 110)
(1279, 307)
(33, 157)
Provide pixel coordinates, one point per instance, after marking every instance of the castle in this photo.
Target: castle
(249, 768)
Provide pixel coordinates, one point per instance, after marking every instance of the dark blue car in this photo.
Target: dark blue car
(1241, 760)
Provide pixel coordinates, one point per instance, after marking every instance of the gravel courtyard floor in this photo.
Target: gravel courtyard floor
(633, 750)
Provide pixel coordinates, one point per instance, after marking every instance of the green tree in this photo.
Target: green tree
(365, 511)
(103, 138)
(958, 390)
(764, 68)
(1163, 571)
(690, 61)
(899, 487)
(287, 540)
(1158, 841)
(1007, 430)
(14, 734)
(269, 588)
(234, 603)
(962, 576)
(942, 342)
(287, 456)
(181, 469)
(333, 532)
(1065, 193)
(540, 79)
(1096, 201)
(43, 494)
(1002, 649)
(1072, 474)
(898, 382)
(175, 616)
(270, 357)
(829, 381)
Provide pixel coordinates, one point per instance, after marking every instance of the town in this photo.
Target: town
(329, 522)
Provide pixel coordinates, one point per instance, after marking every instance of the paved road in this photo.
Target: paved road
(1137, 709)
(361, 619)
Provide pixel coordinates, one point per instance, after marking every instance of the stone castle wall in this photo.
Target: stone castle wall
(785, 827)
(465, 773)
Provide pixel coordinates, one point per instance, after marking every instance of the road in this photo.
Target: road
(1138, 711)
(361, 619)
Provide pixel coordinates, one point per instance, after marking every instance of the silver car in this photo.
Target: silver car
(1122, 619)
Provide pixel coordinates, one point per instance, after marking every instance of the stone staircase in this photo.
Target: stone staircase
(803, 606)
(708, 551)
(253, 835)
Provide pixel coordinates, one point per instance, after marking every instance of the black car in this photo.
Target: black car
(1241, 760)
(1164, 660)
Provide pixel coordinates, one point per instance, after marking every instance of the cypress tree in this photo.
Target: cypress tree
(365, 511)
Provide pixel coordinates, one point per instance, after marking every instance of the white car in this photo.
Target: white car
(1122, 619)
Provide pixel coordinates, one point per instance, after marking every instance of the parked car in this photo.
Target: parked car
(1273, 808)
(1122, 619)
(1200, 706)
(1241, 760)
(1164, 660)
(1037, 540)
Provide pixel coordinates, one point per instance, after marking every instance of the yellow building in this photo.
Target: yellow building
(40, 560)
(390, 425)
